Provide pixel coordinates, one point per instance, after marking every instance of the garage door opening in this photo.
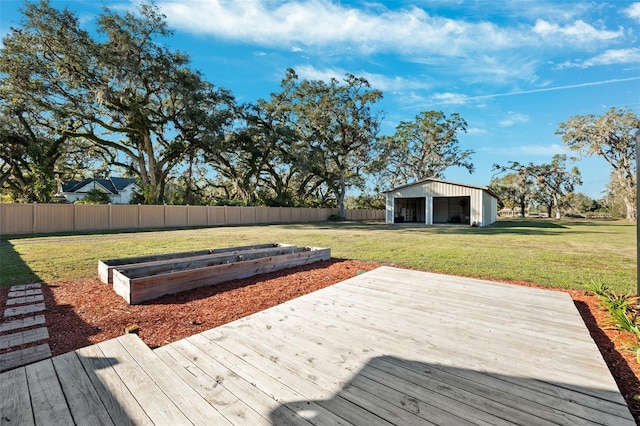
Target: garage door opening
(410, 210)
(454, 210)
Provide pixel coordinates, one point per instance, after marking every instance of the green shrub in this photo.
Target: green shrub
(623, 313)
(95, 196)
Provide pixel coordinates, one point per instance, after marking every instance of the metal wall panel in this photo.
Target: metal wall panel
(53, 218)
(296, 215)
(248, 215)
(216, 215)
(150, 216)
(261, 214)
(196, 215)
(90, 217)
(16, 219)
(175, 216)
(122, 216)
(305, 215)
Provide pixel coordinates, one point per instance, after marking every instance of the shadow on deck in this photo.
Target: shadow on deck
(401, 392)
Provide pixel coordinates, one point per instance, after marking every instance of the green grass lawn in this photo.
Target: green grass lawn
(555, 253)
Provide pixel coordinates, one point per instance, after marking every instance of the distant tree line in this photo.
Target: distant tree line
(552, 186)
(119, 102)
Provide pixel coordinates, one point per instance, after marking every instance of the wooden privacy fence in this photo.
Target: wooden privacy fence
(50, 218)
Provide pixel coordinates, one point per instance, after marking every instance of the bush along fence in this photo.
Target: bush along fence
(17, 219)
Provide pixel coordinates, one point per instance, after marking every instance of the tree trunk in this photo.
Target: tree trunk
(341, 194)
(630, 209)
(188, 192)
(556, 206)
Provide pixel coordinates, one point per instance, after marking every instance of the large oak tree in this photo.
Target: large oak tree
(424, 148)
(124, 91)
(335, 130)
(612, 137)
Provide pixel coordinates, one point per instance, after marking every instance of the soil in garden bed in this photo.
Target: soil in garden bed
(85, 312)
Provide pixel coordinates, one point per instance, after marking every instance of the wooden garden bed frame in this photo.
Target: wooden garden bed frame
(106, 267)
(148, 279)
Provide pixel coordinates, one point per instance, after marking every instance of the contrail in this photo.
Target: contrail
(463, 99)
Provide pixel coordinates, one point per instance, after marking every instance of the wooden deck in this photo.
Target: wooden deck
(387, 347)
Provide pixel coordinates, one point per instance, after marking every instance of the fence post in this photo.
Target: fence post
(35, 218)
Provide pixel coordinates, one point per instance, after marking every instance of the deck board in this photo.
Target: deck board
(390, 346)
(16, 405)
(156, 404)
(245, 390)
(232, 407)
(188, 400)
(116, 397)
(47, 400)
(83, 400)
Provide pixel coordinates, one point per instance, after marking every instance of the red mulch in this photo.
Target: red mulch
(85, 312)
(612, 344)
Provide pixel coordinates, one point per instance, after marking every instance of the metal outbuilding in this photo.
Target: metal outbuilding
(434, 201)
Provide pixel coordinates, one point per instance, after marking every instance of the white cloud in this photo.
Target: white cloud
(608, 57)
(633, 11)
(579, 31)
(377, 81)
(458, 98)
(619, 56)
(410, 98)
(536, 9)
(484, 68)
(513, 118)
(309, 72)
(448, 98)
(396, 84)
(476, 131)
(323, 24)
(533, 150)
(543, 150)
(505, 51)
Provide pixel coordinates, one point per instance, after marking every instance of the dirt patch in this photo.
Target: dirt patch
(81, 313)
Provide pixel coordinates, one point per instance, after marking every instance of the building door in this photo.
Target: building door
(440, 210)
(409, 210)
(455, 210)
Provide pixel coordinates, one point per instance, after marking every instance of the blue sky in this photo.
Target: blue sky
(512, 69)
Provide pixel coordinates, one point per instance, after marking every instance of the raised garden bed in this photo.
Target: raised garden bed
(145, 281)
(106, 267)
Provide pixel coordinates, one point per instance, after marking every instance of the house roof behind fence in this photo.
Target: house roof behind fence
(113, 185)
